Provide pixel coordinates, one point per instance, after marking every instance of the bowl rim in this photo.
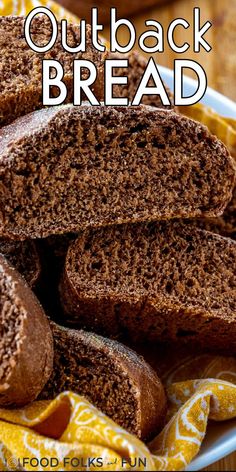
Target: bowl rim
(221, 104)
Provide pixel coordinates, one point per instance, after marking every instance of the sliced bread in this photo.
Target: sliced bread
(159, 281)
(26, 346)
(111, 376)
(21, 67)
(64, 169)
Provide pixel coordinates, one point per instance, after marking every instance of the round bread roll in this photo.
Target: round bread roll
(26, 345)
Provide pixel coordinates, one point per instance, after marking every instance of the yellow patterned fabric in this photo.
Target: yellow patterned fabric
(224, 128)
(23, 7)
(69, 433)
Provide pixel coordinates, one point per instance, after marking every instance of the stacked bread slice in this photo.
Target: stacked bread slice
(164, 281)
(101, 209)
(64, 169)
(111, 376)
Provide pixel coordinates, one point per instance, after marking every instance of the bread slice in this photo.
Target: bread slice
(111, 376)
(64, 169)
(24, 256)
(159, 281)
(21, 67)
(226, 224)
(26, 346)
(134, 72)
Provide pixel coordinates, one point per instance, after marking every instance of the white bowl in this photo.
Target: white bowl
(220, 439)
(223, 105)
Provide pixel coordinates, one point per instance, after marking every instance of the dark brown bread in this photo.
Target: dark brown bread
(64, 169)
(24, 256)
(135, 71)
(225, 224)
(111, 376)
(26, 347)
(21, 67)
(159, 281)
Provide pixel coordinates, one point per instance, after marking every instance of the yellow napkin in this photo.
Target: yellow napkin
(69, 433)
(224, 128)
(23, 7)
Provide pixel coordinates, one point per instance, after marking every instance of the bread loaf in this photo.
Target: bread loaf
(164, 281)
(26, 347)
(111, 376)
(64, 169)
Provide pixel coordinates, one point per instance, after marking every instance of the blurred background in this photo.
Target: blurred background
(219, 64)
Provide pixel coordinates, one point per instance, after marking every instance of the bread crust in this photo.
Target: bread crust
(171, 282)
(31, 365)
(74, 346)
(65, 169)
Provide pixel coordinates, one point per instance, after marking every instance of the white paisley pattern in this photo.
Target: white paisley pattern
(72, 431)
